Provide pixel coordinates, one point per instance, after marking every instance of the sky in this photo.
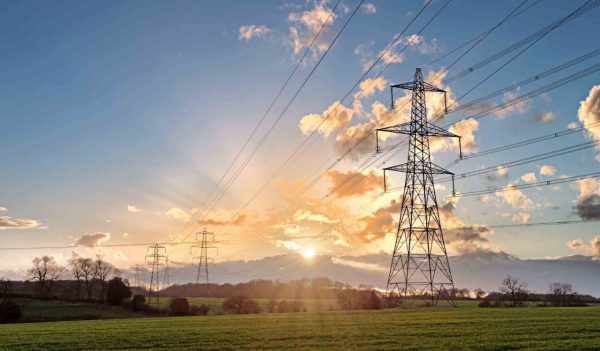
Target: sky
(119, 118)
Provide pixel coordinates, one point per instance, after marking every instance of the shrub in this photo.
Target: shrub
(179, 306)
(241, 305)
(10, 312)
(118, 290)
(138, 303)
(201, 310)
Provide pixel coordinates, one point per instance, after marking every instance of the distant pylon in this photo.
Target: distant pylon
(205, 241)
(137, 282)
(157, 259)
(420, 268)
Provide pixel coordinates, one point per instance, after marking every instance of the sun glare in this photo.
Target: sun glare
(308, 253)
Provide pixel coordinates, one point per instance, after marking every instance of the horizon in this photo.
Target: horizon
(122, 125)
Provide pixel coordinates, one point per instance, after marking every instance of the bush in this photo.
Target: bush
(118, 291)
(138, 303)
(179, 306)
(201, 310)
(241, 305)
(10, 312)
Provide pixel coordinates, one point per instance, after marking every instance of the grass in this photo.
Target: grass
(312, 305)
(467, 328)
(39, 310)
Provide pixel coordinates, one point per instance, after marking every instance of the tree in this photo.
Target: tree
(86, 265)
(561, 294)
(102, 271)
(179, 306)
(479, 294)
(45, 272)
(138, 303)
(118, 290)
(241, 305)
(75, 263)
(514, 289)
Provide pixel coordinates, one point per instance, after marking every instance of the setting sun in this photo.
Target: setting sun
(308, 252)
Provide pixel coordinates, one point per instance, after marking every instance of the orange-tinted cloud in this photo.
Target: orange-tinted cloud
(352, 183)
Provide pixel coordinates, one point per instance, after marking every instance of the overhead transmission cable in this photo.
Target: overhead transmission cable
(261, 120)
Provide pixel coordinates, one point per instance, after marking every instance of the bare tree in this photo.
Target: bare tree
(86, 266)
(515, 289)
(479, 293)
(45, 272)
(102, 271)
(75, 263)
(561, 294)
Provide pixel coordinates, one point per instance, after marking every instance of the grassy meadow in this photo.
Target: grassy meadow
(465, 328)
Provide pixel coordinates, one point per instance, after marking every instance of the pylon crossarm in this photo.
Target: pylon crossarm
(430, 168)
(418, 85)
(405, 128)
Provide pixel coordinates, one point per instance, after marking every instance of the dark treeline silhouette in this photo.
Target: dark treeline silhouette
(309, 288)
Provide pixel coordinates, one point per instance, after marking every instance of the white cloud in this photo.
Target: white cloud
(547, 170)
(502, 170)
(133, 209)
(307, 215)
(369, 8)
(592, 248)
(515, 197)
(288, 244)
(3, 209)
(522, 217)
(589, 113)
(529, 177)
(178, 214)
(573, 125)
(335, 117)
(93, 240)
(248, 32)
(7, 222)
(306, 24)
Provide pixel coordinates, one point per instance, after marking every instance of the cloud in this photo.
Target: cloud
(178, 214)
(546, 117)
(519, 107)
(589, 113)
(466, 129)
(133, 209)
(394, 54)
(355, 183)
(529, 177)
(307, 215)
(592, 248)
(305, 26)
(351, 137)
(3, 209)
(248, 32)
(502, 170)
(522, 217)
(93, 240)
(461, 237)
(587, 203)
(288, 244)
(515, 197)
(367, 88)
(547, 170)
(335, 117)
(239, 220)
(368, 8)
(573, 125)
(7, 222)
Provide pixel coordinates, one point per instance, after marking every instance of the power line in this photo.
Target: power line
(284, 165)
(526, 160)
(261, 120)
(274, 124)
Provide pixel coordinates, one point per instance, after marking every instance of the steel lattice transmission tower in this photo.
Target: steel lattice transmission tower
(157, 260)
(206, 239)
(419, 268)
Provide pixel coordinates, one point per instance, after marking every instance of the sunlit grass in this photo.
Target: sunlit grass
(530, 328)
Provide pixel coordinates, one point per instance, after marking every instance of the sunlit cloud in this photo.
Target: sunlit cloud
(133, 209)
(247, 32)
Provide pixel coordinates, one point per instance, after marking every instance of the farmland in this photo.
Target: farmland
(468, 328)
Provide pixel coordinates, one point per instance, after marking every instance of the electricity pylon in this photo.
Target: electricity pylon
(157, 260)
(205, 241)
(420, 268)
(138, 272)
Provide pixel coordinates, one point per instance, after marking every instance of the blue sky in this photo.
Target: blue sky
(144, 104)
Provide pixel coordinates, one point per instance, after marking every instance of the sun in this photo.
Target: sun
(308, 253)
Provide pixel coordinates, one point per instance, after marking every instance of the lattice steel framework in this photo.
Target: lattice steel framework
(157, 260)
(419, 268)
(206, 239)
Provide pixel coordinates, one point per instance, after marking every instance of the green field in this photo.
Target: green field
(216, 303)
(467, 328)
